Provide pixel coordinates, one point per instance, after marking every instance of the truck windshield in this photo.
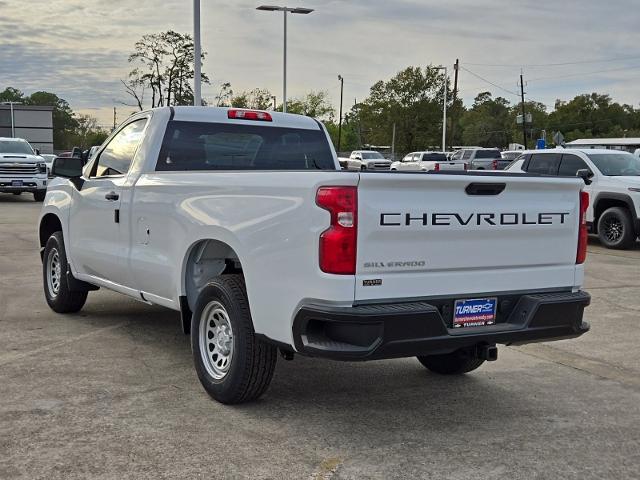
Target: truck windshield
(372, 155)
(224, 146)
(616, 164)
(15, 146)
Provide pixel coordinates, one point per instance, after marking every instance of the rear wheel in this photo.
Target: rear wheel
(39, 195)
(454, 363)
(615, 228)
(232, 364)
(54, 272)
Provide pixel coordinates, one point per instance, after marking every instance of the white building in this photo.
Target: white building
(625, 144)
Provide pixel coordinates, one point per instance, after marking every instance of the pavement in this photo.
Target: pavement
(111, 393)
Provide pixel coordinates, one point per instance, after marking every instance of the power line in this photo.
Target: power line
(579, 62)
(584, 73)
(490, 82)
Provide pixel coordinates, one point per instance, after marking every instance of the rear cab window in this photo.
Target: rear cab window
(488, 154)
(189, 146)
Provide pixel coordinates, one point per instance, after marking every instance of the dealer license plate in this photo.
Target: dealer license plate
(476, 312)
(16, 183)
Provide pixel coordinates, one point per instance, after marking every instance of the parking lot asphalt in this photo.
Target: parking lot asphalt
(111, 393)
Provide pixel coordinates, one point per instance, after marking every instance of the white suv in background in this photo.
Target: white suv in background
(614, 188)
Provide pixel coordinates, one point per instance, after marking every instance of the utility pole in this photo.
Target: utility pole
(275, 103)
(341, 79)
(456, 66)
(197, 75)
(524, 115)
(393, 142)
(355, 107)
(114, 118)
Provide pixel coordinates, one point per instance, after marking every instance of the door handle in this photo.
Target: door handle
(112, 196)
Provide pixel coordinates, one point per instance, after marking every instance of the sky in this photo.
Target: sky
(78, 49)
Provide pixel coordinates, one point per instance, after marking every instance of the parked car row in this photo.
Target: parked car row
(475, 158)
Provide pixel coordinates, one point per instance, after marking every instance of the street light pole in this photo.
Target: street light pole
(285, 10)
(197, 53)
(284, 66)
(13, 121)
(444, 110)
(340, 122)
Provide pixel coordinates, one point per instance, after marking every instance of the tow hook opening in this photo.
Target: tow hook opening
(487, 352)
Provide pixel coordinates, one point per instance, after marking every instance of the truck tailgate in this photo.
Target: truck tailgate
(422, 235)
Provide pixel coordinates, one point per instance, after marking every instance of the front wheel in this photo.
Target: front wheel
(615, 228)
(232, 364)
(54, 274)
(454, 363)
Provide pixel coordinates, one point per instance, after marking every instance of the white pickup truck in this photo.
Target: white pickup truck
(243, 222)
(22, 169)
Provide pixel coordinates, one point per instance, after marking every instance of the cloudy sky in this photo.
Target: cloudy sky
(78, 48)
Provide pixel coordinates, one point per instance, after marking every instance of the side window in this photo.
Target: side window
(407, 158)
(117, 156)
(570, 165)
(544, 163)
(467, 154)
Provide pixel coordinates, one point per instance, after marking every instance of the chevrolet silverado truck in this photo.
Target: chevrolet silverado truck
(22, 169)
(243, 222)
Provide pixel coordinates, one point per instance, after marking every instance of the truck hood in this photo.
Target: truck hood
(627, 181)
(20, 158)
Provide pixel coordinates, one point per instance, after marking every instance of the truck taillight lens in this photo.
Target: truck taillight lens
(581, 255)
(436, 168)
(494, 164)
(338, 242)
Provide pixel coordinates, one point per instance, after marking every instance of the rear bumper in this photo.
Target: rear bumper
(369, 332)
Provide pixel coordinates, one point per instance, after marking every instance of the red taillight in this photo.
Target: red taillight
(466, 167)
(581, 255)
(338, 242)
(436, 168)
(241, 114)
(494, 164)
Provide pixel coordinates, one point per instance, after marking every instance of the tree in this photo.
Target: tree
(164, 66)
(64, 122)
(313, 104)
(412, 100)
(88, 132)
(258, 98)
(11, 94)
(488, 122)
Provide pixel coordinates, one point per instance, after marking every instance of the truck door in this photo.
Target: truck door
(98, 230)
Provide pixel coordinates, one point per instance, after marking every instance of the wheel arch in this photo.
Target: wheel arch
(205, 259)
(603, 202)
(49, 224)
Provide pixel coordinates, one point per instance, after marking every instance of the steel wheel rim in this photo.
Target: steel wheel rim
(613, 229)
(54, 272)
(216, 340)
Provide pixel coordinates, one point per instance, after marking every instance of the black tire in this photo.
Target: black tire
(363, 167)
(39, 195)
(615, 228)
(454, 363)
(62, 300)
(250, 367)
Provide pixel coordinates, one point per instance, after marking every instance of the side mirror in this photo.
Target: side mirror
(37, 150)
(585, 175)
(67, 167)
